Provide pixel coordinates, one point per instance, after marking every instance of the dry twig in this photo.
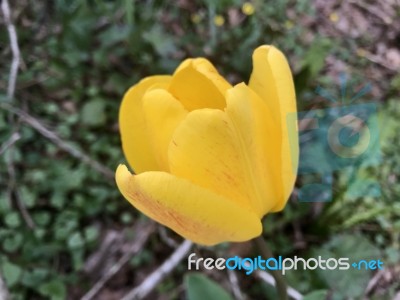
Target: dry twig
(12, 81)
(235, 285)
(12, 34)
(162, 230)
(373, 10)
(11, 141)
(54, 138)
(141, 291)
(3, 289)
(144, 231)
(267, 278)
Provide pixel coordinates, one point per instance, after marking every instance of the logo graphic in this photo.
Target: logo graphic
(345, 138)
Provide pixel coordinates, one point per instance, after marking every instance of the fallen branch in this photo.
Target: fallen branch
(233, 279)
(141, 291)
(12, 34)
(162, 230)
(3, 289)
(54, 138)
(378, 60)
(144, 231)
(267, 278)
(12, 81)
(11, 141)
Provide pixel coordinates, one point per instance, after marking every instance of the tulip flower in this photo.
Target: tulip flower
(210, 159)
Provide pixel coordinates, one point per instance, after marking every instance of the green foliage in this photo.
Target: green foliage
(12, 273)
(200, 287)
(93, 113)
(54, 289)
(316, 295)
(80, 56)
(353, 282)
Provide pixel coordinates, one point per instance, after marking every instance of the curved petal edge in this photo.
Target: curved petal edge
(193, 212)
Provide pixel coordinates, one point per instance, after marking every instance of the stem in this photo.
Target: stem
(280, 282)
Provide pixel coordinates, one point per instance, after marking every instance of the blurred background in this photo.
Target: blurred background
(65, 230)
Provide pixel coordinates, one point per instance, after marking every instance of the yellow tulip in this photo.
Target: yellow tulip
(210, 159)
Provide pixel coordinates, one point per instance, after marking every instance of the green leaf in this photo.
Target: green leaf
(34, 278)
(352, 282)
(91, 233)
(114, 35)
(13, 242)
(157, 38)
(199, 287)
(93, 113)
(76, 241)
(364, 216)
(27, 196)
(316, 54)
(12, 220)
(129, 11)
(11, 273)
(126, 218)
(39, 233)
(57, 199)
(316, 295)
(4, 205)
(54, 289)
(392, 254)
(41, 218)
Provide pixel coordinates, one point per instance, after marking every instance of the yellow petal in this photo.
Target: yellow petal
(134, 137)
(193, 212)
(186, 63)
(272, 80)
(232, 153)
(203, 150)
(163, 113)
(259, 141)
(197, 84)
